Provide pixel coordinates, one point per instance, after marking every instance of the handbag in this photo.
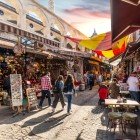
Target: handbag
(65, 90)
(55, 90)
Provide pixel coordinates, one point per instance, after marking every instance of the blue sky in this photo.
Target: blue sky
(85, 15)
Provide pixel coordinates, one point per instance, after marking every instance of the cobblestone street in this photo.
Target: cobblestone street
(87, 122)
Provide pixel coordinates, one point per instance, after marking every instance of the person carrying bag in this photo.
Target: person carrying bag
(69, 91)
(58, 93)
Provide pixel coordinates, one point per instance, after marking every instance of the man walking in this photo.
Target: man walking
(46, 87)
(133, 84)
(91, 80)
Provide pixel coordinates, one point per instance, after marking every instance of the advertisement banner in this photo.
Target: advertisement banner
(16, 89)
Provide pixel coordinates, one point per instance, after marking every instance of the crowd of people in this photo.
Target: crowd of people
(112, 89)
(108, 88)
(61, 88)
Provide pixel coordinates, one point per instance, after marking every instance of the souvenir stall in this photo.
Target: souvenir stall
(31, 67)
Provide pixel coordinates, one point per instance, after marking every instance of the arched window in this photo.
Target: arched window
(36, 20)
(9, 10)
(55, 28)
(6, 2)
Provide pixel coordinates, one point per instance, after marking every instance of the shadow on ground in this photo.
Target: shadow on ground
(48, 124)
(40, 119)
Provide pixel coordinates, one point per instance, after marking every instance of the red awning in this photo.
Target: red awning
(125, 16)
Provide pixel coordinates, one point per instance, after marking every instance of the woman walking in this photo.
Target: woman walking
(59, 86)
(69, 90)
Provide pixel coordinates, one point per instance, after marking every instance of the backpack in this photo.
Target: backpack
(57, 87)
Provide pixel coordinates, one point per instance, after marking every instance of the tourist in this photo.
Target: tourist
(91, 80)
(103, 93)
(114, 89)
(59, 86)
(100, 79)
(6, 84)
(86, 79)
(45, 87)
(69, 90)
(133, 84)
(125, 77)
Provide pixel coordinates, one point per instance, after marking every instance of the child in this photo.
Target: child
(103, 93)
(25, 106)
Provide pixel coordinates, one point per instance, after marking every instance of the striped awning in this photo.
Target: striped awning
(19, 32)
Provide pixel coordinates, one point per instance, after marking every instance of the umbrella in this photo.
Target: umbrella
(125, 16)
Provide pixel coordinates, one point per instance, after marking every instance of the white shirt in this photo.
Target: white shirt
(133, 83)
(100, 78)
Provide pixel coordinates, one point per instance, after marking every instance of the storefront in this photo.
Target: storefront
(24, 53)
(31, 56)
(131, 58)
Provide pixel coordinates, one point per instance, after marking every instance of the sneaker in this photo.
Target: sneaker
(62, 109)
(46, 120)
(40, 107)
(68, 113)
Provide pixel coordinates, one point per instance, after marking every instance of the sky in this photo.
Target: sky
(84, 15)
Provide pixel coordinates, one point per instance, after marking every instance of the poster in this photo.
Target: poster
(32, 98)
(16, 89)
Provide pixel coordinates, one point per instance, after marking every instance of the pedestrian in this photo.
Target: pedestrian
(6, 84)
(100, 79)
(114, 89)
(59, 86)
(103, 93)
(86, 79)
(69, 90)
(125, 78)
(91, 80)
(133, 84)
(45, 87)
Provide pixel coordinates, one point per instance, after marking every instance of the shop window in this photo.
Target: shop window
(56, 39)
(69, 46)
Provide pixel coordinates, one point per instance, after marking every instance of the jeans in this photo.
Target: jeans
(44, 93)
(135, 95)
(56, 99)
(91, 84)
(69, 97)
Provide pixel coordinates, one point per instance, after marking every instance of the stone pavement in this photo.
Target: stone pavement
(87, 122)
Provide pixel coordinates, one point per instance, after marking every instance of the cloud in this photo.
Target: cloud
(84, 12)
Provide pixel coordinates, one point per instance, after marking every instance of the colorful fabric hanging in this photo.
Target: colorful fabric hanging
(99, 42)
(111, 53)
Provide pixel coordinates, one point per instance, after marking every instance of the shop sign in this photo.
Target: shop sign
(79, 54)
(32, 98)
(16, 89)
(9, 37)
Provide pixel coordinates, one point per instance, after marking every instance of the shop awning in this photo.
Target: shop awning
(125, 16)
(21, 33)
(131, 49)
(73, 53)
(115, 58)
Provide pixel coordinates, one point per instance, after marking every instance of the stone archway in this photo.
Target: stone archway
(39, 14)
(14, 3)
(56, 22)
(12, 15)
